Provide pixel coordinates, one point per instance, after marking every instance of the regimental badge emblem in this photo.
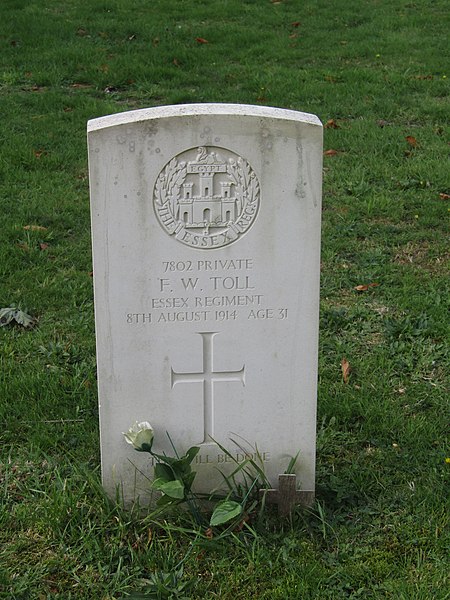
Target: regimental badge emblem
(207, 197)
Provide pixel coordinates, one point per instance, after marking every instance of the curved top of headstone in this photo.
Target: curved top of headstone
(182, 110)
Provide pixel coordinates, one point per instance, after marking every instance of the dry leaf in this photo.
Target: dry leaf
(365, 287)
(411, 140)
(209, 533)
(39, 153)
(80, 85)
(293, 35)
(43, 246)
(330, 153)
(35, 228)
(175, 62)
(201, 40)
(444, 196)
(295, 24)
(331, 124)
(345, 366)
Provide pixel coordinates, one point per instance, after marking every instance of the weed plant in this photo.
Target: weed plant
(376, 73)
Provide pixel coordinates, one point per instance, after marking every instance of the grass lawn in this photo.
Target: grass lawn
(376, 72)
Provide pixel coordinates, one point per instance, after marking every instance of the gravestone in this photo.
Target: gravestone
(206, 240)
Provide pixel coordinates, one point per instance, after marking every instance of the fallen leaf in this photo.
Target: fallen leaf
(411, 140)
(345, 367)
(81, 32)
(444, 196)
(34, 228)
(209, 533)
(43, 246)
(423, 77)
(293, 35)
(295, 24)
(201, 40)
(365, 287)
(383, 123)
(175, 62)
(330, 153)
(80, 85)
(16, 316)
(39, 153)
(331, 124)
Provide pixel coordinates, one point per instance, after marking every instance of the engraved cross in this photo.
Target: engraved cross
(208, 376)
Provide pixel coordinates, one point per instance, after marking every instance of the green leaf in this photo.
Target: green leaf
(173, 489)
(163, 472)
(192, 453)
(225, 511)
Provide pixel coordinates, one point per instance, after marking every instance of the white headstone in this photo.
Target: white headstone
(206, 240)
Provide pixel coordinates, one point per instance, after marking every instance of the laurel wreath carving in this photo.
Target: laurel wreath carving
(169, 182)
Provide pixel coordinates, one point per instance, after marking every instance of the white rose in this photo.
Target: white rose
(140, 436)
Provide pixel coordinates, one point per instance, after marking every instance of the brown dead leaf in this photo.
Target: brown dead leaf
(345, 367)
(331, 124)
(241, 523)
(295, 24)
(175, 62)
(34, 228)
(43, 246)
(201, 40)
(444, 196)
(365, 287)
(209, 533)
(411, 140)
(330, 153)
(39, 153)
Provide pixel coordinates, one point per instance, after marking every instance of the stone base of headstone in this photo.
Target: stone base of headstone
(287, 497)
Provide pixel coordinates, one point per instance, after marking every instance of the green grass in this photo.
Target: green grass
(380, 525)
